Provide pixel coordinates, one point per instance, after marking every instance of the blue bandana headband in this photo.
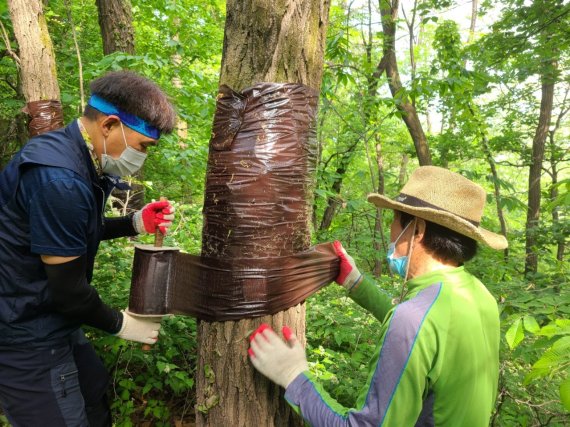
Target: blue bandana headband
(134, 122)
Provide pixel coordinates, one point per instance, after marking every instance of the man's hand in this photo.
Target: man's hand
(154, 215)
(349, 275)
(279, 361)
(139, 328)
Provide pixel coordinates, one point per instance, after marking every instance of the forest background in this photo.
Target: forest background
(490, 86)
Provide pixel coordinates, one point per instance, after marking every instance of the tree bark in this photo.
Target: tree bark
(116, 23)
(534, 194)
(37, 62)
(265, 41)
(389, 12)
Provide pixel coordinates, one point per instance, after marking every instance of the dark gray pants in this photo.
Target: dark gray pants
(61, 386)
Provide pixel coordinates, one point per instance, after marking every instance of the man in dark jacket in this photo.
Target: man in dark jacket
(52, 199)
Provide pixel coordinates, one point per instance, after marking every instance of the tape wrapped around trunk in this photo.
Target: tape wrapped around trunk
(217, 290)
(256, 257)
(45, 116)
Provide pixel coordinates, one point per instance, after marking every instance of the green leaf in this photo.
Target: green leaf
(565, 394)
(555, 356)
(531, 325)
(515, 334)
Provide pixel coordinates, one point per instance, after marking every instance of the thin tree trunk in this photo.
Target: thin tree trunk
(378, 238)
(116, 23)
(534, 194)
(37, 65)
(493, 167)
(389, 12)
(561, 240)
(472, 26)
(265, 41)
(497, 193)
(333, 202)
(554, 160)
(403, 170)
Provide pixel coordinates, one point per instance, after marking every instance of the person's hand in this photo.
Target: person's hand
(154, 215)
(278, 360)
(349, 275)
(139, 328)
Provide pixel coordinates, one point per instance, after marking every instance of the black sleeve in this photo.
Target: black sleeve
(119, 227)
(74, 297)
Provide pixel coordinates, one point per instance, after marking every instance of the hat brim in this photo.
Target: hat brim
(445, 219)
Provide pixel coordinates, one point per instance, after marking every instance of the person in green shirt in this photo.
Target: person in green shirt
(437, 360)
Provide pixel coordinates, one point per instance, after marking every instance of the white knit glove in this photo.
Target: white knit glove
(278, 360)
(139, 328)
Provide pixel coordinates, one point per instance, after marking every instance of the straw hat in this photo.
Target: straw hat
(446, 198)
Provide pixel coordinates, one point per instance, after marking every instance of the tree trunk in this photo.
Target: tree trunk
(389, 12)
(265, 41)
(497, 192)
(116, 23)
(555, 158)
(333, 202)
(472, 26)
(368, 105)
(534, 195)
(403, 170)
(493, 167)
(379, 240)
(37, 66)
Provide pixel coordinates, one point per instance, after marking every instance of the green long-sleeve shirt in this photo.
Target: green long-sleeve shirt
(437, 362)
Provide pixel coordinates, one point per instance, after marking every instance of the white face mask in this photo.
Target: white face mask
(128, 163)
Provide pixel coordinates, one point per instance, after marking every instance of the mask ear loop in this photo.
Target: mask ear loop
(404, 287)
(124, 137)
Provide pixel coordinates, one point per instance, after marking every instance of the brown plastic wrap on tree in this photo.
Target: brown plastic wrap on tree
(45, 116)
(167, 281)
(261, 172)
(258, 198)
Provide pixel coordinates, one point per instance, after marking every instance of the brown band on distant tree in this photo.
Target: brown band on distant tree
(45, 116)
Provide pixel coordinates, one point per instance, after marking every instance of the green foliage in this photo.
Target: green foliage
(481, 98)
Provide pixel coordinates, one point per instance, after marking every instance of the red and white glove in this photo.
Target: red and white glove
(278, 360)
(349, 275)
(154, 215)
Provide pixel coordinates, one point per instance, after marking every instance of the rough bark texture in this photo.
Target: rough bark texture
(534, 195)
(116, 24)
(115, 20)
(265, 41)
(36, 57)
(274, 41)
(389, 12)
